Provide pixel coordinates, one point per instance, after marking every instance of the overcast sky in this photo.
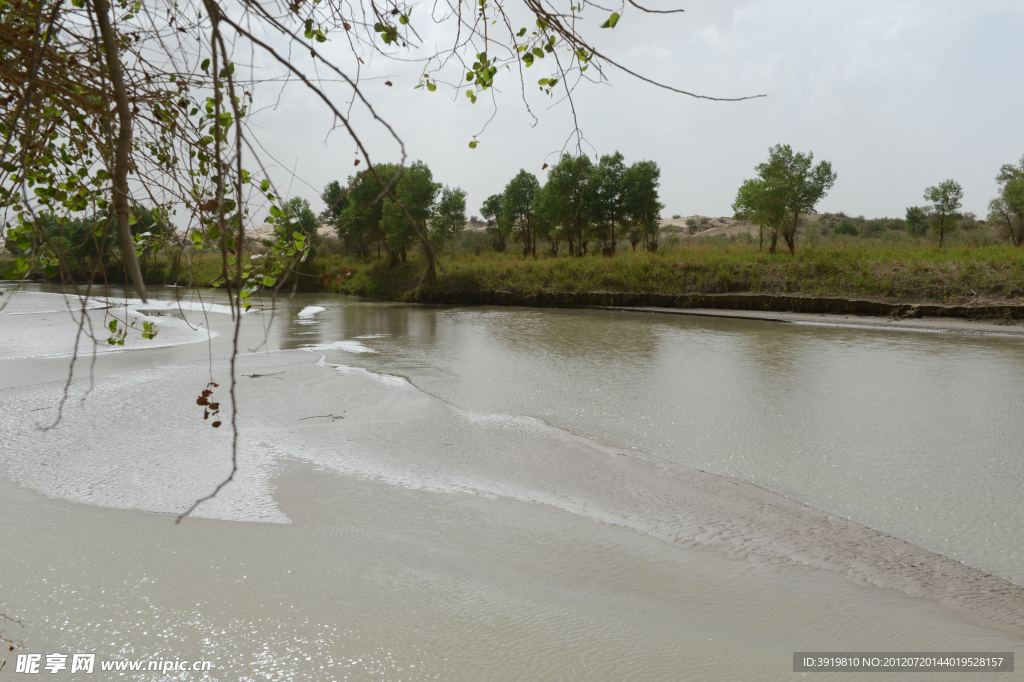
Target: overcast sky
(897, 95)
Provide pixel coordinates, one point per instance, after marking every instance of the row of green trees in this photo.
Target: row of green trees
(942, 215)
(581, 203)
(364, 219)
(789, 185)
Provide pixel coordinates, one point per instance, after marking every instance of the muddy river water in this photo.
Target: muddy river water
(506, 493)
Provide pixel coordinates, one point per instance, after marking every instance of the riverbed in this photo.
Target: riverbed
(498, 493)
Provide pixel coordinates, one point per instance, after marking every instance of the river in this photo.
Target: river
(503, 493)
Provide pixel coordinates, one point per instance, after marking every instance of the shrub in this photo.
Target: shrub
(872, 227)
(917, 221)
(846, 226)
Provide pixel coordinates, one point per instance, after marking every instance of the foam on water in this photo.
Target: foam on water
(191, 306)
(350, 346)
(310, 311)
(374, 426)
(41, 325)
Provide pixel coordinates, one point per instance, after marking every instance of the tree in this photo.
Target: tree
(449, 217)
(543, 224)
(945, 198)
(493, 213)
(605, 199)
(641, 209)
(1007, 209)
(359, 223)
(917, 221)
(405, 213)
(565, 200)
(794, 183)
(755, 204)
(300, 217)
(1008, 172)
(336, 199)
(517, 209)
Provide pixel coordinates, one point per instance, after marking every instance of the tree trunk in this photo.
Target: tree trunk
(428, 250)
(775, 240)
(123, 149)
(760, 238)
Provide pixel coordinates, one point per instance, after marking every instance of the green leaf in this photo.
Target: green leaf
(275, 211)
(112, 326)
(612, 20)
(205, 65)
(20, 264)
(472, 145)
(431, 87)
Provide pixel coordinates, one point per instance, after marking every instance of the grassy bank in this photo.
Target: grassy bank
(899, 273)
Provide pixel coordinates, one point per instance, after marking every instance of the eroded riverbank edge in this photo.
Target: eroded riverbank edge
(985, 315)
(942, 325)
